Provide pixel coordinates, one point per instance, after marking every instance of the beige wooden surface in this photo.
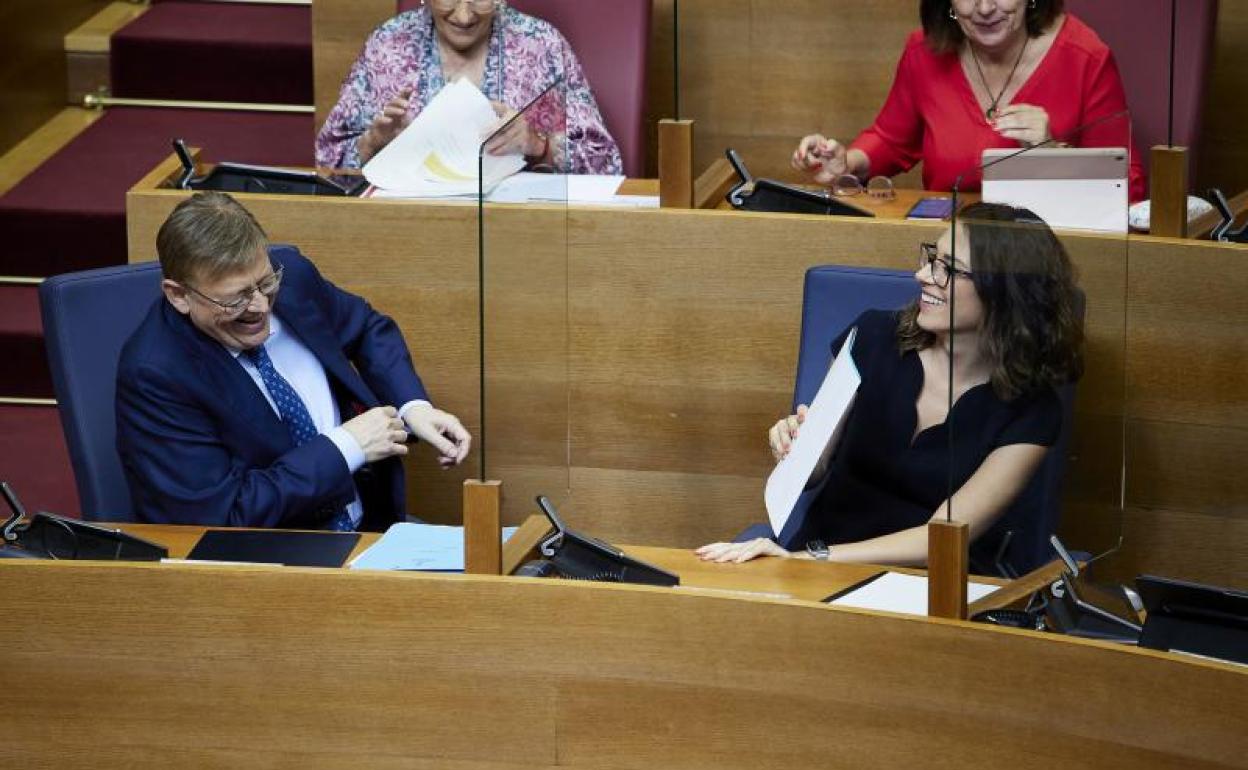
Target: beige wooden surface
(120, 665)
(94, 35)
(635, 358)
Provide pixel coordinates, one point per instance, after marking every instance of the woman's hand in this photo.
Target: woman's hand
(1024, 123)
(821, 159)
(782, 435)
(739, 552)
(518, 138)
(388, 124)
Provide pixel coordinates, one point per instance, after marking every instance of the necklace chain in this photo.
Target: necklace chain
(991, 112)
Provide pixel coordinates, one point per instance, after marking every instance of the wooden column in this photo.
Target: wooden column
(1168, 192)
(947, 568)
(676, 164)
(483, 504)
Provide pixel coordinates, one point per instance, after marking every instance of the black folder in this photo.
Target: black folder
(296, 549)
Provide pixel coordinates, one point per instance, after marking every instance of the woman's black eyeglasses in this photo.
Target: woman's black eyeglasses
(940, 267)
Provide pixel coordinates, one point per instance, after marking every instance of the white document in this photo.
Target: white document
(436, 154)
(534, 187)
(825, 419)
(899, 592)
(407, 546)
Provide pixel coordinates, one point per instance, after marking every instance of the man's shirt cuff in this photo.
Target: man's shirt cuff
(415, 402)
(350, 449)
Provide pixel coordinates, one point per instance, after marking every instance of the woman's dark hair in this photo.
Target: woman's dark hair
(1032, 328)
(943, 34)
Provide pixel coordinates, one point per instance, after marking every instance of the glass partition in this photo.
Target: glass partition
(758, 76)
(523, 264)
(1048, 275)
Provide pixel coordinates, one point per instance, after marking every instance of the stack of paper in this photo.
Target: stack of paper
(408, 546)
(437, 154)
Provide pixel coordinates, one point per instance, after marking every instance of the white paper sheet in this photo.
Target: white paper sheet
(533, 187)
(824, 421)
(437, 153)
(899, 592)
(408, 546)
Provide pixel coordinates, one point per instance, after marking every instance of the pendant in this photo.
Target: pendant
(991, 113)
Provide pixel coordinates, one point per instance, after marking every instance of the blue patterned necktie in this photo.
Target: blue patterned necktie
(294, 414)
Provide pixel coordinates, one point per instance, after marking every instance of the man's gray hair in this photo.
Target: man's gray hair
(208, 235)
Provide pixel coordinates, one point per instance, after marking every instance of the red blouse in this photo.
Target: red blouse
(932, 115)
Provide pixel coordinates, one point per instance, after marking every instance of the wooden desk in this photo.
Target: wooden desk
(779, 578)
(635, 358)
(124, 665)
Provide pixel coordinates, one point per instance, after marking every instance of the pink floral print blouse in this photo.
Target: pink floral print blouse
(525, 56)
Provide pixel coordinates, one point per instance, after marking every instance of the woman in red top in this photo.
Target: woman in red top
(982, 74)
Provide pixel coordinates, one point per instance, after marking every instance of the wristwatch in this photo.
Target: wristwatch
(818, 550)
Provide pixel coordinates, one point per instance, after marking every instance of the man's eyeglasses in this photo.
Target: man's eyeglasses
(480, 6)
(940, 267)
(233, 308)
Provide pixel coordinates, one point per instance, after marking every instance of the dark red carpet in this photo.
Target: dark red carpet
(215, 52)
(23, 363)
(70, 213)
(34, 460)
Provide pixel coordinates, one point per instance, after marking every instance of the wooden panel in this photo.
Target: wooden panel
(758, 75)
(1223, 160)
(339, 29)
(296, 667)
(32, 70)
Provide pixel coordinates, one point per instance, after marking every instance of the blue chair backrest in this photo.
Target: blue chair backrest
(87, 318)
(832, 298)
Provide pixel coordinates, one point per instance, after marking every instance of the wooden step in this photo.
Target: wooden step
(87, 47)
(42, 144)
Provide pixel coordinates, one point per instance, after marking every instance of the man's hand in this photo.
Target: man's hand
(379, 432)
(442, 430)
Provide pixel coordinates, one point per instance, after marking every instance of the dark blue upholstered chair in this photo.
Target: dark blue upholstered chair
(87, 317)
(832, 298)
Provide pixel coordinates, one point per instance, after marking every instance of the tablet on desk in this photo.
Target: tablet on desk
(1082, 188)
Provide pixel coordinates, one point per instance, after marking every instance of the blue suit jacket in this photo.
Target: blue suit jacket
(200, 444)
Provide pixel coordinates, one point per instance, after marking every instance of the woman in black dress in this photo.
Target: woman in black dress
(1017, 338)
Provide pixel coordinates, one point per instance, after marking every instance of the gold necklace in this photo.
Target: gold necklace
(991, 112)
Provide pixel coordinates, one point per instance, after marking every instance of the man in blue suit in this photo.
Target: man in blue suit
(232, 411)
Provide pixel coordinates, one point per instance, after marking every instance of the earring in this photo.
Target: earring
(952, 13)
(1032, 5)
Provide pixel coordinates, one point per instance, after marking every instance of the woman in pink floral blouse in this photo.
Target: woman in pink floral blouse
(511, 57)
